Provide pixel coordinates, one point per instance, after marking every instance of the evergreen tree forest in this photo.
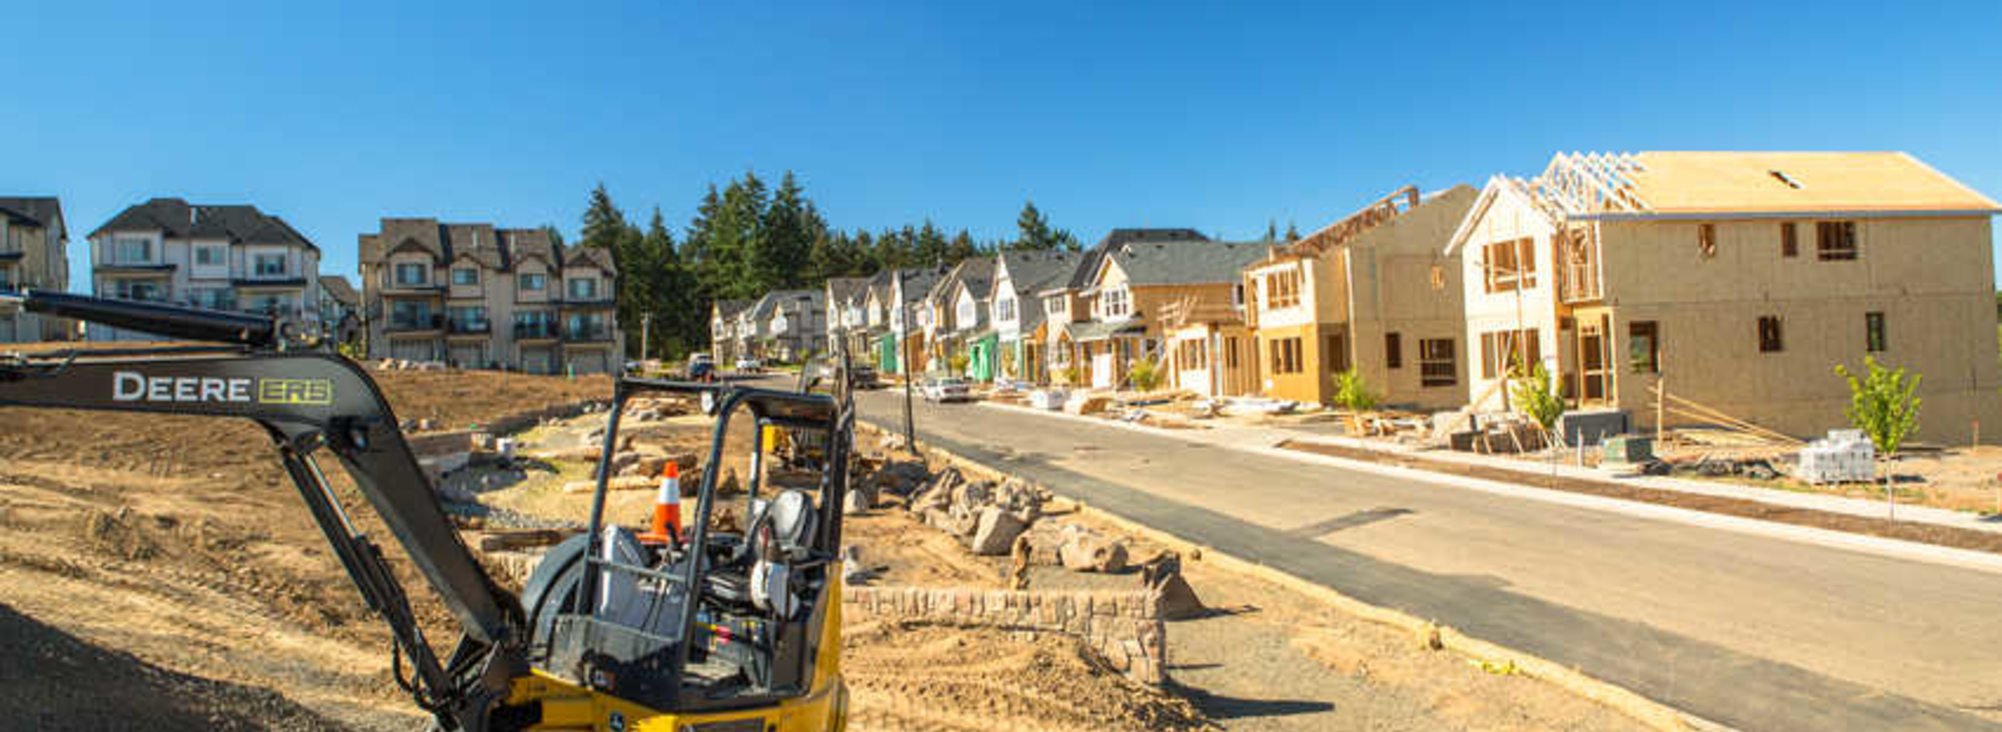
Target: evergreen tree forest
(748, 238)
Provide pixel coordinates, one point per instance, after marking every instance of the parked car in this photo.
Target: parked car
(863, 376)
(701, 367)
(947, 389)
(750, 365)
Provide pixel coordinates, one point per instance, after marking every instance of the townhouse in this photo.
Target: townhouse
(1737, 280)
(340, 309)
(34, 253)
(1017, 314)
(1131, 287)
(953, 315)
(218, 257)
(904, 346)
(723, 343)
(846, 322)
(1374, 293)
(477, 296)
(789, 324)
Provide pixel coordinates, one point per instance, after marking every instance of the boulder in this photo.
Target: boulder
(858, 501)
(994, 533)
(1176, 600)
(1089, 552)
(1084, 403)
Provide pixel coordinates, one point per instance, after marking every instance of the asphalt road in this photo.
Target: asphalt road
(1757, 633)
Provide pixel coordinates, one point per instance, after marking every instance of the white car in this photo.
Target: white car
(947, 389)
(750, 365)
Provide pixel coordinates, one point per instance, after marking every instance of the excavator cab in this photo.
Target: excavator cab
(735, 626)
(712, 630)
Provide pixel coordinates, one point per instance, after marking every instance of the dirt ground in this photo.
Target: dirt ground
(169, 558)
(173, 552)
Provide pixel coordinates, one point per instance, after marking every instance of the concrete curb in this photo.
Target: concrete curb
(1647, 711)
(1876, 545)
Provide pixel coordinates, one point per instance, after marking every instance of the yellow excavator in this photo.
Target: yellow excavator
(705, 631)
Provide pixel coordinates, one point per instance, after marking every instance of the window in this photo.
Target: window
(1789, 239)
(1237, 295)
(213, 298)
(1437, 363)
(1769, 334)
(268, 265)
(412, 274)
(1644, 347)
(1282, 289)
(1054, 305)
(1285, 356)
(131, 250)
(467, 319)
(1511, 265)
(410, 315)
(1835, 240)
(1004, 309)
(1116, 303)
(1393, 350)
(1706, 240)
(583, 288)
(1230, 352)
(1337, 353)
(141, 290)
(1502, 350)
(465, 276)
(531, 281)
(210, 255)
(1873, 332)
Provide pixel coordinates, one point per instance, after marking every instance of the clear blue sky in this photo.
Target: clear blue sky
(1215, 116)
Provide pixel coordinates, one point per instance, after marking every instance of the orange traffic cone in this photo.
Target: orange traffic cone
(667, 508)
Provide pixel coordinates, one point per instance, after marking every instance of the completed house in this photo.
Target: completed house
(477, 296)
(34, 254)
(1372, 293)
(1017, 311)
(723, 343)
(219, 257)
(904, 346)
(1737, 280)
(791, 324)
(1067, 301)
(340, 309)
(954, 318)
(1133, 286)
(847, 324)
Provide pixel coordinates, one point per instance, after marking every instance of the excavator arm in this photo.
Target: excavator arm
(310, 403)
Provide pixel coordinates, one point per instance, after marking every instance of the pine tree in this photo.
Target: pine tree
(1292, 233)
(930, 245)
(1271, 231)
(604, 224)
(1032, 230)
(962, 247)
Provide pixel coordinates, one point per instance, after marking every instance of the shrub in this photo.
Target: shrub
(1537, 396)
(1070, 375)
(958, 363)
(1882, 404)
(1144, 375)
(1352, 393)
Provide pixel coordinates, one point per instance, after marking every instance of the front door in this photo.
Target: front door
(1594, 363)
(1102, 370)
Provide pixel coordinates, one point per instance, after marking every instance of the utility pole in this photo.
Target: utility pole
(904, 311)
(646, 328)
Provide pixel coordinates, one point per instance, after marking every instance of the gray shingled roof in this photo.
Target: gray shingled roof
(847, 289)
(1088, 267)
(42, 210)
(1185, 262)
(520, 244)
(478, 242)
(1032, 272)
(182, 220)
(340, 289)
(582, 255)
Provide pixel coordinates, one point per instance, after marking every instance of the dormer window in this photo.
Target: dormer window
(1116, 303)
(532, 281)
(269, 265)
(210, 255)
(583, 288)
(132, 250)
(465, 276)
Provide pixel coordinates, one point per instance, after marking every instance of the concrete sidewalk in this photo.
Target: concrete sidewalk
(1226, 434)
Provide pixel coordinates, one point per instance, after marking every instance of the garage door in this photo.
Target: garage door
(589, 362)
(538, 360)
(412, 350)
(469, 356)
